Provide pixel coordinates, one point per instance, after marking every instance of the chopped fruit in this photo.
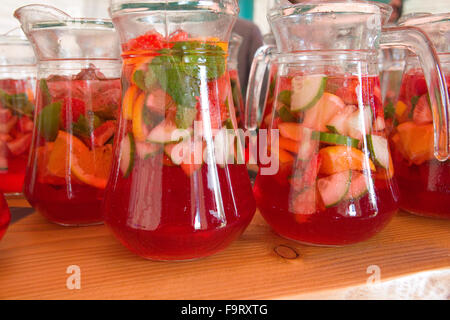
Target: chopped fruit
(7, 127)
(42, 157)
(58, 163)
(187, 154)
(152, 40)
(343, 158)
(71, 110)
(283, 156)
(5, 115)
(92, 166)
(379, 150)
(25, 124)
(289, 145)
(305, 202)
(417, 141)
(20, 145)
(158, 101)
(145, 150)
(127, 147)
(385, 174)
(167, 132)
(333, 189)
(422, 112)
(401, 111)
(291, 130)
(128, 102)
(338, 124)
(306, 91)
(139, 127)
(335, 139)
(285, 114)
(347, 91)
(379, 124)
(104, 133)
(285, 98)
(359, 125)
(320, 115)
(358, 186)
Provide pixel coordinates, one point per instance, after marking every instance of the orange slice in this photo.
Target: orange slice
(139, 129)
(343, 158)
(417, 141)
(128, 101)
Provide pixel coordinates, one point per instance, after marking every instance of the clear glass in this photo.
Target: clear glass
(422, 178)
(77, 102)
(17, 82)
(170, 197)
(238, 100)
(5, 216)
(335, 184)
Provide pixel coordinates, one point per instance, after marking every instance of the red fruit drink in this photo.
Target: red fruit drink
(334, 185)
(5, 216)
(162, 205)
(72, 148)
(423, 180)
(16, 130)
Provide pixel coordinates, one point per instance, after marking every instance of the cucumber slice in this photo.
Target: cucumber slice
(167, 132)
(336, 139)
(379, 150)
(358, 187)
(334, 189)
(307, 91)
(128, 147)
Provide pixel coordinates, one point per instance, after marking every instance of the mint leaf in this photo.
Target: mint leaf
(85, 126)
(285, 97)
(48, 121)
(45, 92)
(18, 103)
(389, 111)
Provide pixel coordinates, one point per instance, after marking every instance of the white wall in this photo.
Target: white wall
(432, 6)
(76, 8)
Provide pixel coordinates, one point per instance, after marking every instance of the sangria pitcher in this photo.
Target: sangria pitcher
(171, 196)
(238, 100)
(77, 102)
(17, 84)
(423, 178)
(334, 185)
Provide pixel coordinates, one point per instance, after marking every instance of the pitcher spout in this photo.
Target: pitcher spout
(33, 13)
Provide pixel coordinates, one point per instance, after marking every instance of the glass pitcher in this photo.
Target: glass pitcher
(17, 82)
(334, 184)
(423, 179)
(174, 193)
(238, 100)
(5, 216)
(77, 102)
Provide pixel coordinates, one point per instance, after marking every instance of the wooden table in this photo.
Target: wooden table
(411, 256)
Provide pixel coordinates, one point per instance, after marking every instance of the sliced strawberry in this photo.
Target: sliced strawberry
(158, 100)
(20, 145)
(151, 40)
(72, 109)
(422, 112)
(5, 137)
(9, 125)
(5, 115)
(178, 35)
(103, 133)
(25, 124)
(347, 92)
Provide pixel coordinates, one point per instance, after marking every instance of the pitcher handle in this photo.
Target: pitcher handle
(261, 63)
(418, 42)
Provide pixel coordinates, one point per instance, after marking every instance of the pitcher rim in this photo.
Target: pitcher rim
(75, 23)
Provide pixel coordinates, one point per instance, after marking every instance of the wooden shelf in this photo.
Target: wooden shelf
(35, 254)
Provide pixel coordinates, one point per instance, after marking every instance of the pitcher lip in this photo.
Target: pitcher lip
(74, 23)
(424, 18)
(384, 9)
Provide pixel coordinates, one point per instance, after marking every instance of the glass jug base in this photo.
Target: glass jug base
(438, 216)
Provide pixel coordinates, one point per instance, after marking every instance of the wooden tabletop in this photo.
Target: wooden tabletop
(411, 257)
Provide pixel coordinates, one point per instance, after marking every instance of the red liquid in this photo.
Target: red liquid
(333, 226)
(59, 183)
(177, 220)
(423, 181)
(16, 126)
(293, 201)
(5, 216)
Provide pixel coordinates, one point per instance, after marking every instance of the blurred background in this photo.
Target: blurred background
(254, 10)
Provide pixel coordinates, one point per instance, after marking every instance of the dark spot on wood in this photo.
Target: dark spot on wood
(286, 252)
